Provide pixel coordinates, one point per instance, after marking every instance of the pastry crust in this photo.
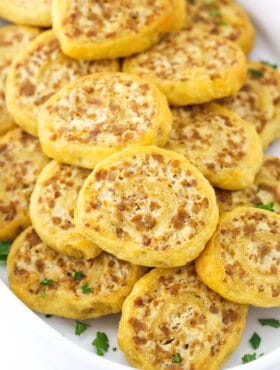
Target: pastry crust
(111, 29)
(21, 161)
(12, 40)
(39, 72)
(224, 18)
(148, 206)
(27, 12)
(241, 261)
(265, 190)
(98, 115)
(191, 68)
(52, 207)
(225, 148)
(258, 101)
(170, 311)
(30, 261)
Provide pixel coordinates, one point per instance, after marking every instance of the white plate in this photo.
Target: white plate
(30, 341)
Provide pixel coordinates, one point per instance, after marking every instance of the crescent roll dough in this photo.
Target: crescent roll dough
(90, 29)
(39, 72)
(52, 210)
(258, 101)
(100, 288)
(21, 160)
(170, 314)
(225, 148)
(12, 40)
(148, 206)
(191, 67)
(241, 261)
(98, 115)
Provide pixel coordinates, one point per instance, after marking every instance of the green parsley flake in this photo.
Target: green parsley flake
(215, 13)
(267, 207)
(46, 282)
(222, 24)
(42, 294)
(101, 343)
(209, 4)
(249, 357)
(48, 315)
(177, 358)
(274, 66)
(4, 250)
(255, 340)
(114, 349)
(86, 289)
(255, 72)
(78, 275)
(80, 327)
(259, 188)
(270, 322)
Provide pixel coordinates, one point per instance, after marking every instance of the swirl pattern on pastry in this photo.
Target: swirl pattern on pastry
(52, 207)
(39, 72)
(225, 148)
(169, 312)
(98, 115)
(242, 260)
(148, 206)
(191, 68)
(258, 101)
(12, 40)
(108, 280)
(21, 161)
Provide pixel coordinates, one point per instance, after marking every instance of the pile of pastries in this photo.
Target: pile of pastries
(132, 171)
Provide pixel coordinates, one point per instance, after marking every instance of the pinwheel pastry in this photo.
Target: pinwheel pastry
(264, 193)
(258, 101)
(241, 262)
(191, 68)
(54, 283)
(98, 115)
(39, 72)
(171, 320)
(221, 17)
(225, 148)
(52, 210)
(12, 40)
(21, 161)
(90, 29)
(28, 12)
(148, 206)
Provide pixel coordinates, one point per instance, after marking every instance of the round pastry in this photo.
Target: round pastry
(241, 261)
(21, 161)
(191, 68)
(12, 40)
(98, 115)
(171, 320)
(52, 207)
(225, 148)
(28, 12)
(264, 193)
(148, 206)
(54, 283)
(39, 72)
(224, 18)
(110, 29)
(258, 101)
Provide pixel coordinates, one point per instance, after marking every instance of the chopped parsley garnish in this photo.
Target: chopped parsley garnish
(78, 275)
(114, 349)
(42, 294)
(215, 13)
(275, 66)
(222, 23)
(270, 322)
(177, 358)
(86, 289)
(4, 250)
(209, 4)
(249, 357)
(255, 72)
(46, 282)
(259, 188)
(268, 206)
(80, 327)
(101, 343)
(48, 315)
(255, 340)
